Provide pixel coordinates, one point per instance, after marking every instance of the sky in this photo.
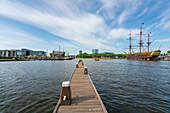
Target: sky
(83, 24)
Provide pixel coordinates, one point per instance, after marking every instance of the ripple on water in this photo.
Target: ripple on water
(124, 86)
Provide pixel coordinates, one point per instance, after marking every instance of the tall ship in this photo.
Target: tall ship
(147, 56)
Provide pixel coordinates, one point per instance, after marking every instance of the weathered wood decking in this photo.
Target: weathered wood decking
(85, 98)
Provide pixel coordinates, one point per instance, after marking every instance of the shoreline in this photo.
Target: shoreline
(52, 59)
(3, 60)
(101, 58)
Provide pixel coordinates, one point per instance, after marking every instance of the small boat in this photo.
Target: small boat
(96, 59)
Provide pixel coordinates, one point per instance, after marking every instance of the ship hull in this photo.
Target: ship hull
(146, 56)
(142, 57)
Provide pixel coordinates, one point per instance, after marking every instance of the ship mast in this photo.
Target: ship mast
(140, 43)
(148, 41)
(130, 45)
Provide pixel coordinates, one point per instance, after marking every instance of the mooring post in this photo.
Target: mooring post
(148, 59)
(65, 97)
(85, 70)
(79, 61)
(77, 66)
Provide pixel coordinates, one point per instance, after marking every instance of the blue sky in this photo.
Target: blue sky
(82, 24)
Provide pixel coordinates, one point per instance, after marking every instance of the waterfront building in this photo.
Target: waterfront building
(28, 52)
(8, 53)
(57, 54)
(21, 53)
(95, 51)
(161, 57)
(167, 56)
(39, 53)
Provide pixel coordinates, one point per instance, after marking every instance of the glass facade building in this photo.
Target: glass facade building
(22, 53)
(95, 51)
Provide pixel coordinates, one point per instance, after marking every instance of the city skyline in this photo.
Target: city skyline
(83, 25)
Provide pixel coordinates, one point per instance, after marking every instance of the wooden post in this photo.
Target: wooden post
(148, 59)
(85, 70)
(77, 66)
(65, 97)
(79, 61)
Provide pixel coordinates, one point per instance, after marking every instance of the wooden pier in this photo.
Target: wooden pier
(84, 96)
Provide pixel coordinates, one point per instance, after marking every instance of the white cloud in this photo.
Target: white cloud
(123, 16)
(108, 8)
(163, 40)
(121, 33)
(12, 37)
(166, 25)
(163, 20)
(143, 12)
(81, 28)
(118, 10)
(118, 44)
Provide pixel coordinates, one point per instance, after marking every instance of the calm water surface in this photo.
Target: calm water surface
(124, 86)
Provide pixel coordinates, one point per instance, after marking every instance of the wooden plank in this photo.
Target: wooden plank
(84, 95)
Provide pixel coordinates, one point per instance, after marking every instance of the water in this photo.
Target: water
(124, 86)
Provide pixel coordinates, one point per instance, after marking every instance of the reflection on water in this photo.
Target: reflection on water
(124, 86)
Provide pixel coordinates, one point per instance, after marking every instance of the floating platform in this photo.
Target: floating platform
(84, 96)
(7, 59)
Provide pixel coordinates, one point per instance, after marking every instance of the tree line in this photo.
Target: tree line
(99, 55)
